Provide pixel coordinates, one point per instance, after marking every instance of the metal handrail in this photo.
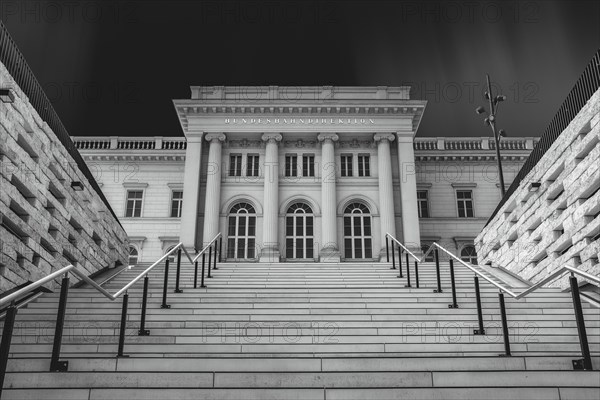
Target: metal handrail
(556, 274)
(404, 247)
(84, 277)
(206, 247)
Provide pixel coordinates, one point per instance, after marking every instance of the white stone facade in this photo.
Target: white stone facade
(157, 165)
(45, 223)
(552, 219)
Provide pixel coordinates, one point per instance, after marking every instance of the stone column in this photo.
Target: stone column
(329, 250)
(408, 192)
(270, 249)
(191, 185)
(386, 189)
(213, 186)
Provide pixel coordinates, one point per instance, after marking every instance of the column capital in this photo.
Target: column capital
(211, 137)
(321, 137)
(384, 136)
(272, 137)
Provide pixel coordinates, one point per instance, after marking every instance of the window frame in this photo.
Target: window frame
(292, 172)
(310, 171)
(465, 209)
(253, 168)
(346, 171)
(180, 201)
(237, 172)
(364, 168)
(141, 200)
(426, 201)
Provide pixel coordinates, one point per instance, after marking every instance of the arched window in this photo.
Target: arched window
(357, 231)
(299, 222)
(241, 232)
(173, 255)
(469, 254)
(133, 255)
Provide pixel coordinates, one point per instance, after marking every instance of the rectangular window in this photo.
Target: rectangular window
(464, 199)
(252, 166)
(363, 165)
(308, 165)
(291, 165)
(346, 165)
(235, 165)
(134, 203)
(176, 203)
(423, 203)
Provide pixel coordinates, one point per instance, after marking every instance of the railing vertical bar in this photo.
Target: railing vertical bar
(165, 284)
(400, 262)
(209, 261)
(417, 273)
(195, 274)
(55, 364)
(177, 290)
(215, 257)
(437, 270)
(453, 283)
(393, 256)
(505, 333)
(123, 325)
(407, 271)
(220, 248)
(481, 330)
(143, 331)
(202, 274)
(586, 361)
(7, 332)
(387, 248)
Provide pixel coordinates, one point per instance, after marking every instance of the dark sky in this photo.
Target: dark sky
(112, 68)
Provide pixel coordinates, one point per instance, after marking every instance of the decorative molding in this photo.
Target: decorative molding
(355, 144)
(175, 186)
(244, 144)
(424, 185)
(390, 137)
(135, 185)
(461, 185)
(300, 143)
(328, 136)
(210, 137)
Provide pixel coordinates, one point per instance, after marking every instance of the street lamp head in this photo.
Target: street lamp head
(500, 98)
(480, 110)
(487, 95)
(486, 121)
(502, 133)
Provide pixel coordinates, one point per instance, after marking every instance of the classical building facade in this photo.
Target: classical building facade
(318, 174)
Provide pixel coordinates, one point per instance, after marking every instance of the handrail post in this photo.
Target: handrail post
(7, 332)
(220, 248)
(481, 330)
(400, 262)
(437, 270)
(55, 364)
(165, 283)
(417, 273)
(407, 271)
(202, 274)
(387, 248)
(195, 274)
(504, 324)
(215, 258)
(584, 363)
(393, 257)
(123, 325)
(209, 261)
(143, 331)
(453, 283)
(177, 290)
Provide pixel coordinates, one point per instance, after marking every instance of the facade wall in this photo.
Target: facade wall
(539, 230)
(45, 223)
(438, 168)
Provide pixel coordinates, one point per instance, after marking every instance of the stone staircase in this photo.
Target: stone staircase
(304, 331)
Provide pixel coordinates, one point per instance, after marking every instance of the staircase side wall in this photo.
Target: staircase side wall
(45, 224)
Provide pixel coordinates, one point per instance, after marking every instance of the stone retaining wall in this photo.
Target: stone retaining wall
(537, 232)
(44, 223)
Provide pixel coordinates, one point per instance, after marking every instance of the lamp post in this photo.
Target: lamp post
(491, 121)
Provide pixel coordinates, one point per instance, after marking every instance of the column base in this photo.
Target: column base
(330, 255)
(269, 255)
